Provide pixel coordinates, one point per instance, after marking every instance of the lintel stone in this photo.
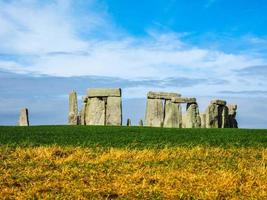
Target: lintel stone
(218, 102)
(183, 100)
(104, 92)
(162, 95)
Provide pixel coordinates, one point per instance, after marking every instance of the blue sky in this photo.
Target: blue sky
(202, 48)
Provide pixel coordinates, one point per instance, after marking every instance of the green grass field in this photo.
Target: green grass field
(132, 137)
(96, 162)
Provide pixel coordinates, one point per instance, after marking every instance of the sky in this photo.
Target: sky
(206, 49)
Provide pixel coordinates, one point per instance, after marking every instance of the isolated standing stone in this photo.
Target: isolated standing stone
(24, 117)
(95, 112)
(154, 113)
(172, 115)
(114, 111)
(192, 116)
(232, 116)
(203, 120)
(73, 109)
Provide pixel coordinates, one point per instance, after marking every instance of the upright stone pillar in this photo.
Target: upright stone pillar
(216, 114)
(73, 109)
(192, 116)
(232, 116)
(154, 113)
(113, 111)
(212, 116)
(141, 122)
(86, 111)
(96, 112)
(82, 114)
(184, 121)
(225, 117)
(24, 117)
(203, 120)
(173, 116)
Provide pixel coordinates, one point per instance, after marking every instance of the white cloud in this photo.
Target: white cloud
(50, 33)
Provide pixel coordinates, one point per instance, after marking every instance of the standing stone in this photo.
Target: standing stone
(73, 109)
(114, 111)
(232, 116)
(86, 111)
(141, 122)
(217, 114)
(212, 116)
(203, 120)
(82, 114)
(225, 117)
(95, 111)
(129, 123)
(24, 117)
(172, 115)
(192, 116)
(184, 121)
(154, 113)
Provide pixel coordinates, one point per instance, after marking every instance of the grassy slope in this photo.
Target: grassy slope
(131, 137)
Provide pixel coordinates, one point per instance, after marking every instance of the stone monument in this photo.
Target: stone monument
(161, 111)
(164, 109)
(217, 114)
(102, 107)
(24, 117)
(73, 117)
(232, 116)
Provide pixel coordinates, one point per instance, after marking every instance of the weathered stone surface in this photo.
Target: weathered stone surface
(73, 109)
(172, 115)
(154, 113)
(218, 102)
(192, 116)
(225, 118)
(162, 95)
(183, 100)
(232, 108)
(104, 92)
(129, 123)
(203, 120)
(95, 112)
(86, 110)
(24, 117)
(141, 122)
(184, 121)
(232, 116)
(84, 99)
(212, 116)
(114, 111)
(82, 114)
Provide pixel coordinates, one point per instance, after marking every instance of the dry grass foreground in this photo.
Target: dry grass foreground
(171, 173)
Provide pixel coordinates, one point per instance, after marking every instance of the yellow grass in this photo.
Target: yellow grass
(172, 173)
